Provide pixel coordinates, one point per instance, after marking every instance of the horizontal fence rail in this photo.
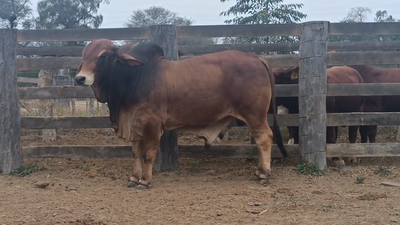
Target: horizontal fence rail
(281, 90)
(338, 29)
(204, 49)
(293, 29)
(334, 59)
(216, 151)
(333, 119)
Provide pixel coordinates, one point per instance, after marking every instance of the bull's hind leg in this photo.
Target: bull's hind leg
(352, 139)
(263, 137)
(137, 149)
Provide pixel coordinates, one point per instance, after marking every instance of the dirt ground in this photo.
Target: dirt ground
(201, 191)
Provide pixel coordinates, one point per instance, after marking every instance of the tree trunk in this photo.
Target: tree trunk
(46, 105)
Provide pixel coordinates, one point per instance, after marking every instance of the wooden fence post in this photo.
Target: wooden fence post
(10, 117)
(167, 156)
(312, 92)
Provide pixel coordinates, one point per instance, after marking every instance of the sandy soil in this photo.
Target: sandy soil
(201, 191)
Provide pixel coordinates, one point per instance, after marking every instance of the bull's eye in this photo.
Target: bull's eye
(103, 56)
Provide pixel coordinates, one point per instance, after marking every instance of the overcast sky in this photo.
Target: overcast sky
(206, 12)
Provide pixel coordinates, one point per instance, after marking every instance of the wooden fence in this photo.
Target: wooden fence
(312, 59)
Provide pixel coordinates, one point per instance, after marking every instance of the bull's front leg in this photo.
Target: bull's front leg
(151, 142)
(137, 149)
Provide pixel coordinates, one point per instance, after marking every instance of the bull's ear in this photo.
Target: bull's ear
(126, 58)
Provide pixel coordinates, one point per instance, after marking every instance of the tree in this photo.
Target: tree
(157, 15)
(382, 16)
(360, 15)
(357, 15)
(66, 14)
(14, 12)
(263, 12)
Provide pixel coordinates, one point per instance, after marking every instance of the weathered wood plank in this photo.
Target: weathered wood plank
(363, 150)
(48, 63)
(312, 92)
(376, 89)
(336, 29)
(51, 51)
(167, 155)
(364, 46)
(55, 92)
(185, 151)
(238, 30)
(204, 31)
(363, 58)
(83, 34)
(216, 151)
(358, 119)
(203, 49)
(333, 119)
(340, 58)
(10, 127)
(27, 80)
(65, 122)
(282, 90)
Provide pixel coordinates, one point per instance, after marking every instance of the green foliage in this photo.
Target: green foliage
(383, 171)
(360, 15)
(306, 168)
(14, 13)
(360, 179)
(157, 15)
(26, 170)
(66, 14)
(263, 12)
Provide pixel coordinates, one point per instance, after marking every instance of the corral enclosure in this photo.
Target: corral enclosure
(312, 58)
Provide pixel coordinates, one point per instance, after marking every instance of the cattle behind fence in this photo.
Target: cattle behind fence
(312, 59)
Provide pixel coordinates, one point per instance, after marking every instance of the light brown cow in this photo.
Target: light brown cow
(148, 94)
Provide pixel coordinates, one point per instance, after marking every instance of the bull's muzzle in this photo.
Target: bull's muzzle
(80, 80)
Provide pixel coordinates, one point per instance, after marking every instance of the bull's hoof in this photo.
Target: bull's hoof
(353, 160)
(276, 160)
(142, 186)
(131, 184)
(263, 181)
(340, 164)
(207, 145)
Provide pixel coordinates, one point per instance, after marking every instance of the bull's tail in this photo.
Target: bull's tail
(277, 132)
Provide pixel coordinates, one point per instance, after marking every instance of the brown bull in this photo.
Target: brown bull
(335, 75)
(378, 103)
(148, 94)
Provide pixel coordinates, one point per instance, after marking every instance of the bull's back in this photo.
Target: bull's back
(343, 74)
(213, 86)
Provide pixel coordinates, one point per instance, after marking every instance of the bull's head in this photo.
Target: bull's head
(96, 59)
(286, 75)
